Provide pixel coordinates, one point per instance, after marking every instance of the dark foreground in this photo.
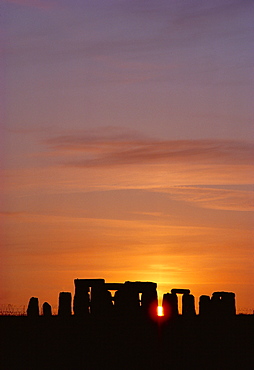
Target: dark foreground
(118, 344)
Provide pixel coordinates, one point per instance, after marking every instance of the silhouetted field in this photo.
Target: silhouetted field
(55, 343)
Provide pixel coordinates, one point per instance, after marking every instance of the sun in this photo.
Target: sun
(160, 311)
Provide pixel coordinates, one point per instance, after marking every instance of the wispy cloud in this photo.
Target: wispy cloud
(206, 197)
(100, 150)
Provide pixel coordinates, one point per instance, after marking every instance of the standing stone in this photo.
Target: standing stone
(132, 303)
(223, 304)
(149, 298)
(188, 305)
(33, 308)
(127, 299)
(81, 298)
(46, 310)
(170, 305)
(64, 307)
(204, 306)
(229, 304)
(101, 300)
(216, 304)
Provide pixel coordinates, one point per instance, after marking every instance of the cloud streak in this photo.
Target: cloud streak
(212, 198)
(93, 150)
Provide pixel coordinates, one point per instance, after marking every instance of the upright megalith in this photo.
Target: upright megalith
(149, 298)
(100, 299)
(46, 310)
(33, 308)
(81, 298)
(120, 301)
(170, 306)
(223, 304)
(229, 304)
(204, 306)
(127, 299)
(64, 306)
(188, 305)
(132, 291)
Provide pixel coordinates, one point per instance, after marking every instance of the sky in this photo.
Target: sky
(127, 145)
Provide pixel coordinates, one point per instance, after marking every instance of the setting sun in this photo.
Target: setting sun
(160, 311)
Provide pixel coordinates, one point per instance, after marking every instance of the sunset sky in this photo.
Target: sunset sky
(127, 145)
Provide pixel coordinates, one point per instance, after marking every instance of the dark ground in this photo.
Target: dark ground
(70, 344)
